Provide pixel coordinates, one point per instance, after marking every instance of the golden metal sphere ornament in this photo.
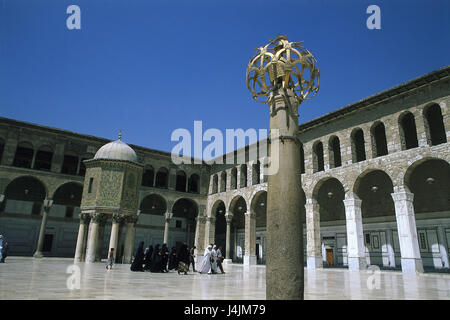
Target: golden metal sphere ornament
(282, 65)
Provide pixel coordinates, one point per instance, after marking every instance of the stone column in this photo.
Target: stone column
(168, 216)
(113, 239)
(228, 218)
(250, 239)
(101, 238)
(47, 205)
(81, 240)
(355, 234)
(407, 231)
(199, 238)
(313, 239)
(443, 246)
(235, 242)
(92, 244)
(210, 231)
(129, 238)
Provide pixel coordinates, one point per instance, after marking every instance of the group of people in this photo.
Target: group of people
(212, 260)
(159, 259)
(3, 249)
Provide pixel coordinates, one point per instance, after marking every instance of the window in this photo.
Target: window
(70, 165)
(408, 131)
(358, 148)
(379, 143)
(318, 164)
(178, 224)
(91, 181)
(434, 125)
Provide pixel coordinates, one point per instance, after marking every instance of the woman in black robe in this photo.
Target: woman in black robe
(148, 258)
(173, 263)
(156, 260)
(183, 256)
(164, 258)
(138, 259)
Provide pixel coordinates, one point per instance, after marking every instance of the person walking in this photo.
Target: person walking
(164, 257)
(192, 258)
(156, 260)
(110, 261)
(220, 258)
(183, 259)
(138, 258)
(206, 263)
(148, 258)
(4, 253)
(173, 263)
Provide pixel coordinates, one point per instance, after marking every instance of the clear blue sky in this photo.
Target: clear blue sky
(151, 66)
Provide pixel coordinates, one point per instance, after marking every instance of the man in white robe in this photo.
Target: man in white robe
(206, 263)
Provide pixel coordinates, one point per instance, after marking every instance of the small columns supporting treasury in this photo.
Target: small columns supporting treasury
(80, 251)
(250, 239)
(91, 250)
(116, 221)
(129, 238)
(407, 231)
(355, 239)
(313, 239)
(228, 219)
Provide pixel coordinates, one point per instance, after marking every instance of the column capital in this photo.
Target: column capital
(168, 216)
(98, 217)
(352, 202)
(250, 214)
(131, 219)
(211, 219)
(84, 218)
(403, 196)
(117, 218)
(200, 219)
(228, 218)
(48, 202)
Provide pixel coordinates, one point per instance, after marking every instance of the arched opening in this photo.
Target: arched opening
(434, 125)
(329, 194)
(302, 159)
(379, 143)
(67, 200)
(334, 151)
(184, 213)
(233, 178)
(148, 177)
(180, 184)
(82, 171)
(238, 207)
(374, 189)
(358, 148)
(153, 204)
(243, 182)
(218, 211)
(429, 181)
(223, 181)
(408, 131)
(318, 164)
(193, 184)
(24, 155)
(215, 184)
(70, 164)
(256, 173)
(162, 178)
(259, 207)
(24, 195)
(43, 159)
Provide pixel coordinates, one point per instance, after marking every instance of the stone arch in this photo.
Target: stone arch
(378, 139)
(194, 183)
(374, 187)
(358, 145)
(329, 193)
(162, 178)
(153, 204)
(148, 177)
(258, 205)
(256, 173)
(434, 124)
(29, 189)
(243, 177)
(429, 180)
(68, 194)
(181, 181)
(218, 212)
(233, 184)
(223, 181)
(185, 208)
(70, 162)
(408, 130)
(23, 157)
(318, 158)
(43, 159)
(215, 188)
(334, 150)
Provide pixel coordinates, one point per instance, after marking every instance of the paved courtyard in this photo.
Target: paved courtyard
(27, 278)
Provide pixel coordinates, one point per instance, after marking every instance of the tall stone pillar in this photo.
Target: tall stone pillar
(210, 231)
(81, 240)
(129, 238)
(168, 217)
(199, 240)
(355, 234)
(47, 205)
(313, 239)
(250, 239)
(228, 219)
(407, 231)
(114, 237)
(92, 244)
(284, 263)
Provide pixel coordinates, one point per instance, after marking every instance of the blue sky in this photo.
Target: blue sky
(148, 67)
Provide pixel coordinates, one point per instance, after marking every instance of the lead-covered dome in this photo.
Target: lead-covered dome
(116, 150)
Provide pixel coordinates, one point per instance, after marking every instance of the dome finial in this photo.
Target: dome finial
(120, 135)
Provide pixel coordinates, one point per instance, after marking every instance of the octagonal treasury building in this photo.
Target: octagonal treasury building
(375, 181)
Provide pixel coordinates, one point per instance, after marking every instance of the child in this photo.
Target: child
(110, 261)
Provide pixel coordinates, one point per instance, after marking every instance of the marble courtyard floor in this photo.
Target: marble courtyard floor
(28, 278)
